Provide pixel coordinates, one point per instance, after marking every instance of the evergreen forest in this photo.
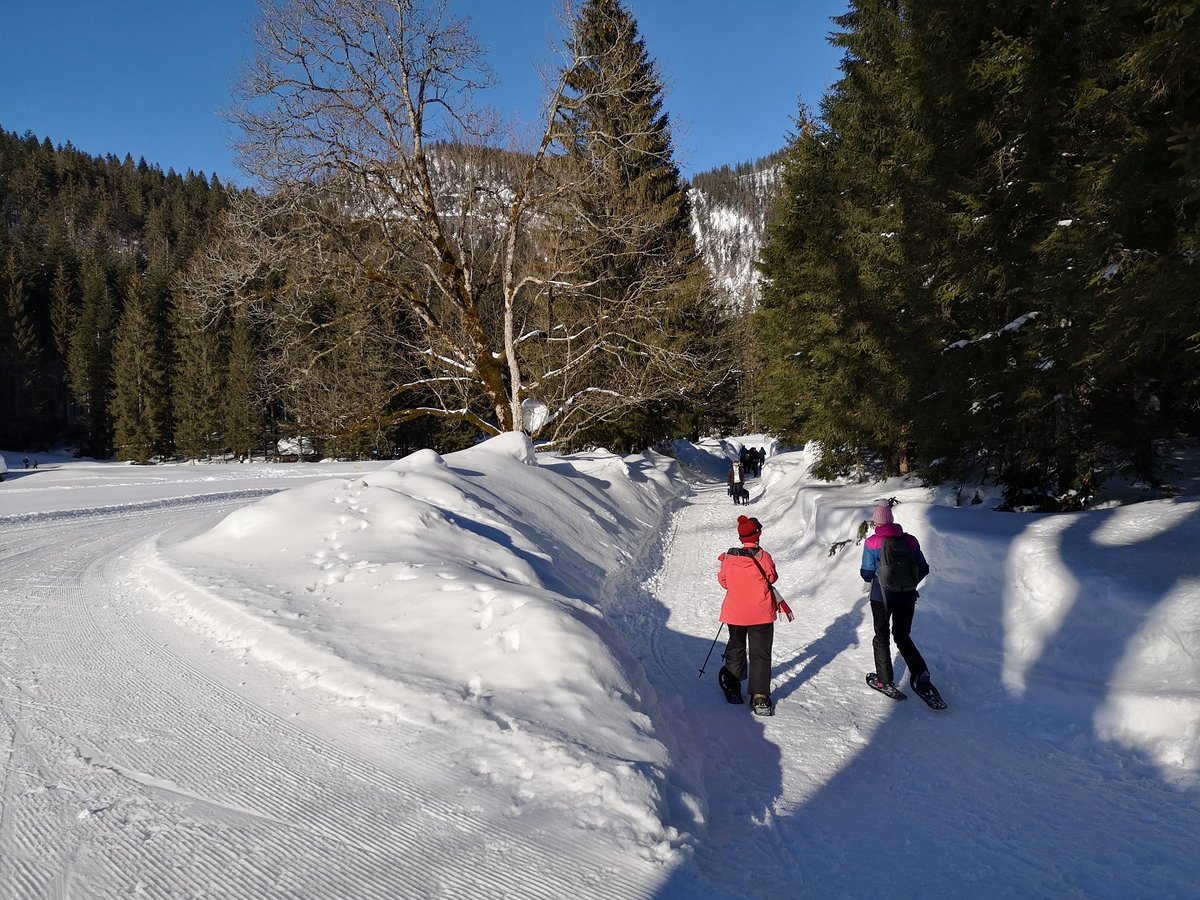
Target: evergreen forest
(983, 262)
(87, 254)
(398, 290)
(976, 259)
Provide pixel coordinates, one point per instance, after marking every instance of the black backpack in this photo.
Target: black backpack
(898, 569)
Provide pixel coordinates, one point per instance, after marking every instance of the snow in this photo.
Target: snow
(476, 675)
(1015, 325)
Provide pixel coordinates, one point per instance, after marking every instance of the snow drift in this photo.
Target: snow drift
(465, 591)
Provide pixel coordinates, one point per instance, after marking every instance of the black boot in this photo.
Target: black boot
(730, 685)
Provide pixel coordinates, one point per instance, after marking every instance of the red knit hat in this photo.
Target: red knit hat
(749, 529)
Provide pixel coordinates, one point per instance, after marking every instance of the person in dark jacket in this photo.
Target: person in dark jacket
(749, 609)
(760, 457)
(737, 483)
(892, 612)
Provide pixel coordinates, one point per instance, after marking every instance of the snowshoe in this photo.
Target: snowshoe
(761, 704)
(888, 690)
(730, 685)
(923, 688)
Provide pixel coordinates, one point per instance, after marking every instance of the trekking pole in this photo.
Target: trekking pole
(710, 648)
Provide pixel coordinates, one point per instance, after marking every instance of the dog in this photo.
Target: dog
(741, 496)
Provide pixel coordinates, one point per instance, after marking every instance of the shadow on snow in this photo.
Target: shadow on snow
(1000, 796)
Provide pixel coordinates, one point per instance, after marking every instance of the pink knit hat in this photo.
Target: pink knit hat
(882, 515)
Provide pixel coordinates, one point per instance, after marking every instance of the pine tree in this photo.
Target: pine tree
(845, 319)
(139, 380)
(197, 387)
(1031, 237)
(628, 237)
(76, 226)
(25, 341)
(27, 405)
(996, 217)
(799, 310)
(1136, 205)
(243, 410)
(89, 365)
(618, 139)
(62, 311)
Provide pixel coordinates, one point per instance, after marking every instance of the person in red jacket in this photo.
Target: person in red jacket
(747, 573)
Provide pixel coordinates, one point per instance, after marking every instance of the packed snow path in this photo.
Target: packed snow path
(845, 793)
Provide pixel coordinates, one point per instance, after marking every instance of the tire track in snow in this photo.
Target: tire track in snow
(152, 774)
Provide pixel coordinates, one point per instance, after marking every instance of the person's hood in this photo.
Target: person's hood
(745, 562)
(891, 529)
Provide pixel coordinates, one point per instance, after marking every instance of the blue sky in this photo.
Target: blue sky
(149, 77)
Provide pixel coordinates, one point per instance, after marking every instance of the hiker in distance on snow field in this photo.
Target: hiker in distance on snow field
(747, 573)
(892, 610)
(737, 482)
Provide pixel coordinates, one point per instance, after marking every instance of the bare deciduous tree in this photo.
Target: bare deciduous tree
(388, 210)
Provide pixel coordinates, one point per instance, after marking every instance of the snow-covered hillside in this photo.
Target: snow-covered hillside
(730, 214)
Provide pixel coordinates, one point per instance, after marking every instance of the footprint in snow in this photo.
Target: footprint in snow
(510, 640)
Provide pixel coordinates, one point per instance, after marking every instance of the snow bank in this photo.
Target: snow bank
(711, 457)
(1094, 613)
(465, 591)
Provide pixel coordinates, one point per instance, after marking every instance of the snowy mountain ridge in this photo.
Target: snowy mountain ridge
(731, 210)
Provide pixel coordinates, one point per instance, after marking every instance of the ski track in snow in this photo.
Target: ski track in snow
(133, 767)
(140, 760)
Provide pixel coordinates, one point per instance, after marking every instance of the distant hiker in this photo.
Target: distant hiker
(26, 460)
(737, 482)
(893, 565)
(747, 573)
(755, 459)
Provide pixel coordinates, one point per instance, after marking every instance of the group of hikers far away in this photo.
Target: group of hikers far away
(892, 567)
(749, 464)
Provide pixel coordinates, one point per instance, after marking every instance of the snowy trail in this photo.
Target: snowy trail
(755, 771)
(141, 756)
(845, 793)
(139, 760)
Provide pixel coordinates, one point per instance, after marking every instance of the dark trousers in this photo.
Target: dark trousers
(759, 638)
(900, 612)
